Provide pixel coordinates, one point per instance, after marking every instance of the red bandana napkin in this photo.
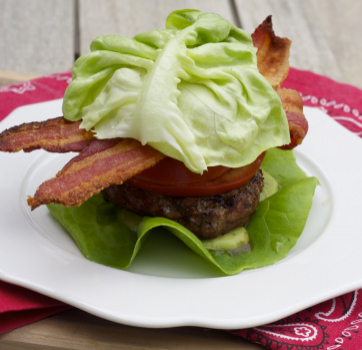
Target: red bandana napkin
(333, 324)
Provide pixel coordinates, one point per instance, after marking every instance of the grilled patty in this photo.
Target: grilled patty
(206, 217)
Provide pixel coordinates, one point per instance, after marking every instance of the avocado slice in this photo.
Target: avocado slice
(271, 186)
(131, 220)
(234, 239)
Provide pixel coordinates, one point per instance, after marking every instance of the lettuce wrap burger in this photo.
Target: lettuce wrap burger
(184, 128)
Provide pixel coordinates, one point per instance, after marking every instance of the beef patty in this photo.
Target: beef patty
(206, 217)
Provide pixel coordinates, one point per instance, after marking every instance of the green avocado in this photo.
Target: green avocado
(271, 186)
(234, 239)
(129, 219)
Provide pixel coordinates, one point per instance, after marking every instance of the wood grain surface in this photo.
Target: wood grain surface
(36, 36)
(130, 17)
(75, 329)
(324, 33)
(44, 36)
(9, 78)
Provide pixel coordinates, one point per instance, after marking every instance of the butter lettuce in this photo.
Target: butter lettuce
(193, 91)
(111, 236)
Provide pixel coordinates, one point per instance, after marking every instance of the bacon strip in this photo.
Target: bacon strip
(53, 135)
(298, 124)
(103, 163)
(106, 162)
(273, 64)
(272, 54)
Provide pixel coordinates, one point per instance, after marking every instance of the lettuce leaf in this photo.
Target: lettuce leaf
(193, 91)
(104, 235)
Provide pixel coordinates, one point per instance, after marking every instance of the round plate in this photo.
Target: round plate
(173, 286)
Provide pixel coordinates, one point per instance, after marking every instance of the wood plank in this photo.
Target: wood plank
(9, 78)
(130, 17)
(315, 28)
(36, 36)
(342, 26)
(77, 330)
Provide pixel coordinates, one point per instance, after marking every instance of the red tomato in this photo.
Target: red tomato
(170, 171)
(170, 177)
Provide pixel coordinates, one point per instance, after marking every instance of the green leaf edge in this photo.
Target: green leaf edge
(298, 183)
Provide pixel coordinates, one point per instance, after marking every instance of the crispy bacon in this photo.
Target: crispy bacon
(298, 124)
(272, 54)
(53, 135)
(273, 64)
(103, 163)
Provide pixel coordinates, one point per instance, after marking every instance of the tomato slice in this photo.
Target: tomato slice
(170, 171)
(176, 181)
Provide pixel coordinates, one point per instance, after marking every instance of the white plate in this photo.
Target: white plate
(174, 287)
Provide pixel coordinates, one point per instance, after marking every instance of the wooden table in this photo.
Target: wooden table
(45, 36)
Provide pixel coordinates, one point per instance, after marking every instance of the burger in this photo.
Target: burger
(172, 127)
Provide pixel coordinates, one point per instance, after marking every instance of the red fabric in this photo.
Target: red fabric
(33, 91)
(341, 101)
(20, 306)
(14, 298)
(14, 319)
(334, 324)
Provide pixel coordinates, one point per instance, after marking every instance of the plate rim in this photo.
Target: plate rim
(162, 322)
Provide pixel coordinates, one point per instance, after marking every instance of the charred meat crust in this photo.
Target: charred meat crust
(206, 217)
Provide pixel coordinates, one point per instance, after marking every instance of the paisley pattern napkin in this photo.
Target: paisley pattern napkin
(333, 324)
